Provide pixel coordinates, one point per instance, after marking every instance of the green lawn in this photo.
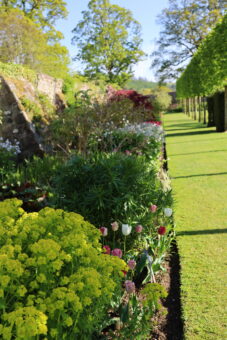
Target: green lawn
(198, 169)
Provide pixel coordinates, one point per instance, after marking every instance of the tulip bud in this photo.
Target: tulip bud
(153, 208)
(139, 228)
(126, 229)
(104, 231)
(106, 250)
(117, 252)
(115, 226)
(168, 212)
(161, 230)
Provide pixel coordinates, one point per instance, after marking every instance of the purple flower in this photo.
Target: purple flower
(132, 264)
(130, 286)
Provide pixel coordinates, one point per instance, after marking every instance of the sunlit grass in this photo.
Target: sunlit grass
(198, 168)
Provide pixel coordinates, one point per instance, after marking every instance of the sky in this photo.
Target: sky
(145, 11)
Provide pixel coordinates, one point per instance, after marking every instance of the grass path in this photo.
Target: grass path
(198, 168)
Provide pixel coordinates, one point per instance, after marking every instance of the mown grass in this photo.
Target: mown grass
(198, 168)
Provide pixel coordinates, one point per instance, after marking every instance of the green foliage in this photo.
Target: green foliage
(109, 187)
(23, 42)
(108, 39)
(129, 143)
(17, 71)
(31, 107)
(87, 119)
(42, 12)
(54, 281)
(185, 24)
(162, 99)
(140, 84)
(207, 71)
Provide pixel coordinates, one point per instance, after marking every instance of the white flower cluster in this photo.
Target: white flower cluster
(9, 146)
(146, 129)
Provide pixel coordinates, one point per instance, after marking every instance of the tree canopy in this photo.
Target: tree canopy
(108, 41)
(185, 24)
(44, 12)
(23, 42)
(207, 71)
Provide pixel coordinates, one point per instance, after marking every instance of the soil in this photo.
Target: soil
(170, 325)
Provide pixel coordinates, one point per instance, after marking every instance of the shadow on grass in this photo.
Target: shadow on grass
(191, 133)
(201, 175)
(194, 153)
(202, 232)
(193, 141)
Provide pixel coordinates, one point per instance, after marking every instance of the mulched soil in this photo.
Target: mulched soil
(170, 326)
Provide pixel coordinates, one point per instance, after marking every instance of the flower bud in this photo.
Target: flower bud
(161, 230)
(132, 264)
(115, 226)
(117, 252)
(130, 286)
(153, 208)
(126, 229)
(104, 231)
(139, 228)
(168, 212)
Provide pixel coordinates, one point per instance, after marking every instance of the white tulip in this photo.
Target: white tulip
(126, 229)
(168, 212)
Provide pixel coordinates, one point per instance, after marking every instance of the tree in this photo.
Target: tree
(185, 24)
(44, 12)
(23, 42)
(108, 40)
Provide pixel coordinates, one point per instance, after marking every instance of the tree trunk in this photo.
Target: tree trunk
(204, 110)
(210, 105)
(219, 111)
(199, 103)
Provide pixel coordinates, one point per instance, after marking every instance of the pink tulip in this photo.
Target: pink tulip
(153, 208)
(117, 252)
(130, 286)
(104, 231)
(127, 152)
(139, 228)
(132, 264)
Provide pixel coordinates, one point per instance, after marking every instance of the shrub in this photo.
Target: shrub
(109, 187)
(54, 281)
(140, 139)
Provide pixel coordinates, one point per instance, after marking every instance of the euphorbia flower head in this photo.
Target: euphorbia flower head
(126, 229)
(115, 226)
(106, 250)
(153, 208)
(104, 231)
(161, 230)
(117, 252)
(139, 228)
(132, 264)
(168, 212)
(130, 286)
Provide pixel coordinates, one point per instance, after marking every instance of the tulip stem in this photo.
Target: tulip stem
(125, 246)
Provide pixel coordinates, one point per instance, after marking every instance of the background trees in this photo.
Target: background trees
(185, 24)
(23, 42)
(108, 40)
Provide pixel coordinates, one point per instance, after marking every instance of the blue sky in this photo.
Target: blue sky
(145, 11)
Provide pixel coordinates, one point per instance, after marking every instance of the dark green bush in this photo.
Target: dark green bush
(108, 187)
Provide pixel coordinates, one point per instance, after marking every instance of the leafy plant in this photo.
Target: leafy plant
(54, 281)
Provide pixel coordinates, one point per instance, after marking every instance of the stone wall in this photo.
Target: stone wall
(49, 85)
(16, 123)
